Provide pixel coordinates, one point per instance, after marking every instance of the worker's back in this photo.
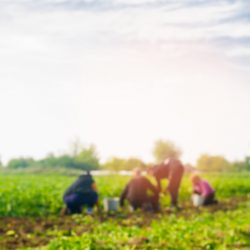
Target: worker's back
(82, 185)
(138, 188)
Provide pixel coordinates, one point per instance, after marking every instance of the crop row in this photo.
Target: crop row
(27, 195)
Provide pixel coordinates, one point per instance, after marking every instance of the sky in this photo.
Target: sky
(122, 74)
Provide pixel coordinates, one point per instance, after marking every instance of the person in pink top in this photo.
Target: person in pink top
(203, 188)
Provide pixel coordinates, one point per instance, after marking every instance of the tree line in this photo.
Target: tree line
(86, 158)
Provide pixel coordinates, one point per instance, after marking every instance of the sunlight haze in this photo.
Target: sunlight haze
(122, 74)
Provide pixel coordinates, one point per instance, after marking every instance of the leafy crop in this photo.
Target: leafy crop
(32, 195)
(34, 203)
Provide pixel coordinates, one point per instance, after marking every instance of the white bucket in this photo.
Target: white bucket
(111, 204)
(198, 200)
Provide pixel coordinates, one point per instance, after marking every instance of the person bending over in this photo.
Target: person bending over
(82, 192)
(140, 193)
(171, 169)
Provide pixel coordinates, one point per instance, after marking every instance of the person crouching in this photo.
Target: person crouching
(140, 193)
(82, 192)
(202, 188)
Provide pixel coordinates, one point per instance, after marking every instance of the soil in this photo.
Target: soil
(33, 232)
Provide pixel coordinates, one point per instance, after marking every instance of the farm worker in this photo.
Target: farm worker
(140, 193)
(204, 189)
(171, 169)
(82, 192)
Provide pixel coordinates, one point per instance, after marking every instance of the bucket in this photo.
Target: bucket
(111, 204)
(198, 200)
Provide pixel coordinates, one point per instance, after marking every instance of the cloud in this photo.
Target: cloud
(43, 25)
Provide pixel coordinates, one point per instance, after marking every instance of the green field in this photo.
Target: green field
(30, 205)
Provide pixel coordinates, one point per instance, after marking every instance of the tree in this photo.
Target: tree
(133, 163)
(164, 149)
(117, 164)
(20, 163)
(1, 164)
(247, 163)
(114, 163)
(49, 161)
(213, 163)
(239, 166)
(87, 159)
(242, 165)
(66, 161)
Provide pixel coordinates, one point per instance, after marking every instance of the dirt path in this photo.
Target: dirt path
(32, 232)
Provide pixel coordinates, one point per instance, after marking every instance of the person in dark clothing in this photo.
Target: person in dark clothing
(173, 170)
(81, 193)
(137, 193)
